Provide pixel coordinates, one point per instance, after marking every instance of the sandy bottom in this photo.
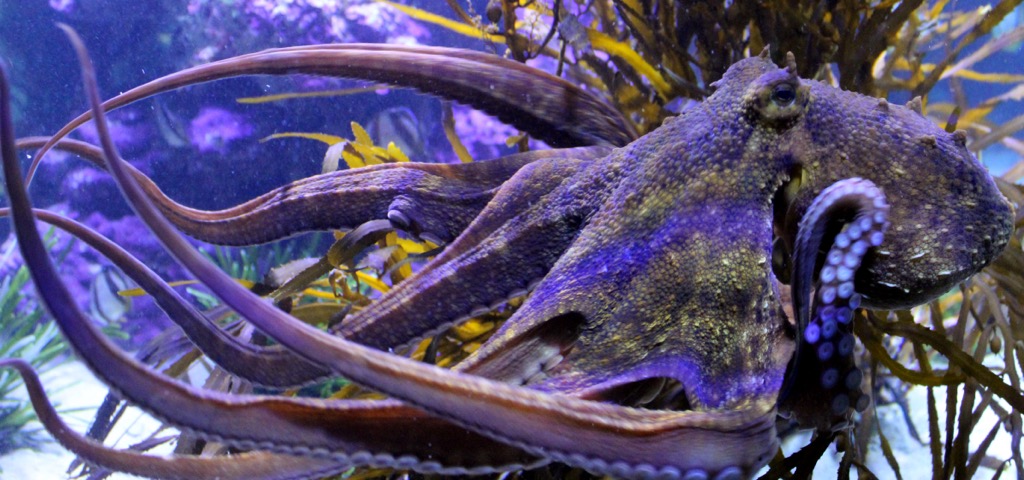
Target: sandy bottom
(914, 459)
(76, 391)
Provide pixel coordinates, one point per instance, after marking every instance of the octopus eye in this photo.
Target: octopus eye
(783, 94)
(777, 99)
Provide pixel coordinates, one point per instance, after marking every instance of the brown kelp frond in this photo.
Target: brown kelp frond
(985, 24)
(904, 69)
(999, 133)
(646, 56)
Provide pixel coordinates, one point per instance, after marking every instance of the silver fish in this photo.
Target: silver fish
(173, 129)
(398, 125)
(105, 304)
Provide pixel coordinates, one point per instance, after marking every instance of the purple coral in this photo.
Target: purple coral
(127, 128)
(485, 136)
(226, 26)
(214, 128)
(62, 5)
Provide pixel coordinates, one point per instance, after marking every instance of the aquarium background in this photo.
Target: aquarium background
(201, 145)
(208, 150)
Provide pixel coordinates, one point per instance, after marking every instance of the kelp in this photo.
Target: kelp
(652, 53)
(357, 153)
(26, 332)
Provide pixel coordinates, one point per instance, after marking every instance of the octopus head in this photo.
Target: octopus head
(948, 218)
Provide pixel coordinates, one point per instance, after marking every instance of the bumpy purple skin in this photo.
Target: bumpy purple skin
(949, 219)
(647, 262)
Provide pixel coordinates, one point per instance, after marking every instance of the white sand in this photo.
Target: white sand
(75, 388)
(914, 459)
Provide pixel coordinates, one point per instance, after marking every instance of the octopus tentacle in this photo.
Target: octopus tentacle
(380, 433)
(266, 366)
(438, 199)
(386, 323)
(440, 205)
(547, 107)
(244, 466)
(824, 364)
(399, 319)
(345, 432)
(606, 439)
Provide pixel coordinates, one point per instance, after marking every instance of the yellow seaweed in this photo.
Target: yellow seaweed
(277, 97)
(323, 137)
(457, 27)
(603, 43)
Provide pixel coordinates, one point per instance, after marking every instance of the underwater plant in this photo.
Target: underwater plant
(677, 51)
(25, 332)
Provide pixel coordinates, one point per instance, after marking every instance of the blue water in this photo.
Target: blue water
(134, 42)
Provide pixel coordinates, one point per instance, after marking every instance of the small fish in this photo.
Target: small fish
(332, 158)
(173, 129)
(398, 125)
(575, 34)
(105, 303)
(279, 275)
(375, 259)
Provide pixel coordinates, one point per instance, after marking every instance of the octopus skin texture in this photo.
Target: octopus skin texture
(653, 341)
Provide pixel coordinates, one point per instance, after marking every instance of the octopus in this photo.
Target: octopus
(653, 341)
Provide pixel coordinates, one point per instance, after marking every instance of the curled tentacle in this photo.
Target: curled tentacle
(545, 106)
(266, 366)
(824, 364)
(606, 439)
